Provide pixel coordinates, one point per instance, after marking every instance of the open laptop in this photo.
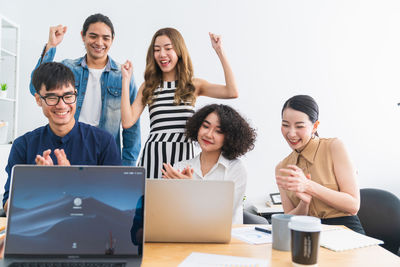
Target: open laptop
(75, 214)
(188, 210)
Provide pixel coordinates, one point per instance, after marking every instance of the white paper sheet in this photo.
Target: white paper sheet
(252, 236)
(344, 239)
(197, 259)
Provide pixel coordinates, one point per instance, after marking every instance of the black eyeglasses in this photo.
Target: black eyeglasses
(52, 100)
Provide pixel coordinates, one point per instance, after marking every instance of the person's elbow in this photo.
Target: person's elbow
(231, 91)
(353, 212)
(354, 208)
(126, 125)
(233, 94)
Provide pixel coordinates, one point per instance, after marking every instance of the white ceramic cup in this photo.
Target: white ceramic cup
(280, 231)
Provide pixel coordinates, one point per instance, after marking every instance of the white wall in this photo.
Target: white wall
(346, 54)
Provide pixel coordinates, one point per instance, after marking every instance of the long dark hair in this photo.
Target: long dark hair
(184, 70)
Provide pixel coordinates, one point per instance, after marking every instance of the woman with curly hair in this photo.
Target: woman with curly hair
(317, 178)
(223, 136)
(170, 91)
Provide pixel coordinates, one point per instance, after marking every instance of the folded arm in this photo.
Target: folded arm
(347, 199)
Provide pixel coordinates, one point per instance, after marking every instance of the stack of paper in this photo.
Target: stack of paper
(344, 239)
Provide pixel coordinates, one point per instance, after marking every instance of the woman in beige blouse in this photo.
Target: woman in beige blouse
(317, 178)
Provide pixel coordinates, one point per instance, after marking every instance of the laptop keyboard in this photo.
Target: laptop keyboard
(67, 264)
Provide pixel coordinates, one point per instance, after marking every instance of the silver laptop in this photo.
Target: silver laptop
(80, 214)
(188, 210)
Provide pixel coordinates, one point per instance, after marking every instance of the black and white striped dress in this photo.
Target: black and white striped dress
(167, 142)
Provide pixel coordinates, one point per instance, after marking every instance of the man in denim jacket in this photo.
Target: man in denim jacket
(98, 81)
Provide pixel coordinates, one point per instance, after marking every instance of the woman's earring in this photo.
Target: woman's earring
(313, 136)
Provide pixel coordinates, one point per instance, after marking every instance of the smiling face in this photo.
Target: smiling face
(297, 128)
(61, 116)
(165, 57)
(210, 136)
(97, 40)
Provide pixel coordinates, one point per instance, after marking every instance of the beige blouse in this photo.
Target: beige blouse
(316, 159)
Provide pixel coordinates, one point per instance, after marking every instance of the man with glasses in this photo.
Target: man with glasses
(63, 141)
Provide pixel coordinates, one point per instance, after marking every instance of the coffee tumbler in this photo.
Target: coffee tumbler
(305, 232)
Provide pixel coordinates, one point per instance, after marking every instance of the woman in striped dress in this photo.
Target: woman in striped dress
(170, 91)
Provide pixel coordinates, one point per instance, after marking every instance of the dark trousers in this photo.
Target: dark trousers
(351, 222)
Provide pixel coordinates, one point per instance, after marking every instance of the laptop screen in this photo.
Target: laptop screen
(87, 211)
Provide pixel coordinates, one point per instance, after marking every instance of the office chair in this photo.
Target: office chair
(251, 218)
(380, 217)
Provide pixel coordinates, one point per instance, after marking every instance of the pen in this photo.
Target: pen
(262, 230)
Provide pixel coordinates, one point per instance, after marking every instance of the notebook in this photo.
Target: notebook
(344, 239)
(188, 210)
(75, 214)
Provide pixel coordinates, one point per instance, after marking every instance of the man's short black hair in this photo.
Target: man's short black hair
(52, 75)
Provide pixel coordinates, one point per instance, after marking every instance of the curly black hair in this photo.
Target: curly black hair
(239, 136)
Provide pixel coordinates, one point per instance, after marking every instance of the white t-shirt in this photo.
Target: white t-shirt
(91, 107)
(223, 170)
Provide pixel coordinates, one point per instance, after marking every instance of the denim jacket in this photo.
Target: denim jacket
(111, 86)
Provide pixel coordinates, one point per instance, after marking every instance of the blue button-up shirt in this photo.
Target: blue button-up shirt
(83, 145)
(110, 117)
